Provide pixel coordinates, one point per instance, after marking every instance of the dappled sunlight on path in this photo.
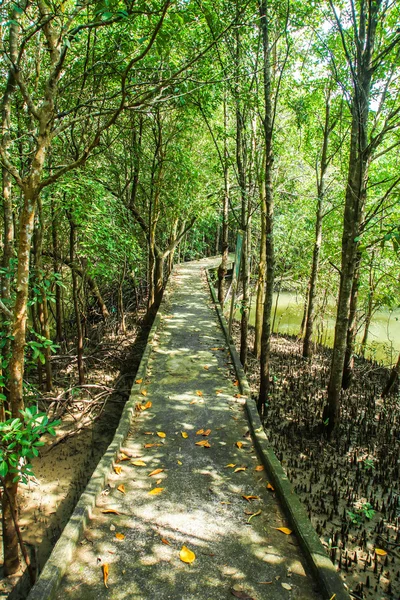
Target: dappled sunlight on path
(197, 496)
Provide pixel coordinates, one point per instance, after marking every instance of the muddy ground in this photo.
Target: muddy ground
(350, 483)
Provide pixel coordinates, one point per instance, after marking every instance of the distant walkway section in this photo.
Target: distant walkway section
(188, 511)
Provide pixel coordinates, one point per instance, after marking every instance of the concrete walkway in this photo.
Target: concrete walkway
(201, 501)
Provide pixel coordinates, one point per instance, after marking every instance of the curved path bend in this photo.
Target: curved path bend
(201, 501)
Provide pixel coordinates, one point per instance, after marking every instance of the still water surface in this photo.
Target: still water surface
(384, 333)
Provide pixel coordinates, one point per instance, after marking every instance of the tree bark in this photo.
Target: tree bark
(351, 329)
(261, 275)
(355, 194)
(79, 342)
(223, 268)
(394, 375)
(10, 540)
(269, 216)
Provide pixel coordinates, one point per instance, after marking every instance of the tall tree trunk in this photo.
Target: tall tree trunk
(269, 215)
(362, 71)
(79, 342)
(41, 303)
(158, 279)
(261, 276)
(370, 306)
(57, 272)
(312, 287)
(351, 329)
(223, 268)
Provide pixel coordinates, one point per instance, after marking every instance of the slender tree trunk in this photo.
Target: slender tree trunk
(57, 273)
(158, 279)
(121, 312)
(79, 342)
(352, 329)
(305, 311)
(269, 216)
(261, 276)
(368, 316)
(223, 268)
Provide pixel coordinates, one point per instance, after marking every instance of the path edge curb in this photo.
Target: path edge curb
(61, 556)
(323, 569)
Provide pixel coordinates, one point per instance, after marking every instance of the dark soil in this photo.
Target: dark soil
(350, 483)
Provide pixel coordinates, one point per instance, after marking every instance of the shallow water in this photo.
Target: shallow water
(384, 334)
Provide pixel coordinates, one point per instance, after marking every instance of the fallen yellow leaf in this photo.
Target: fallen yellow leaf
(218, 392)
(121, 488)
(380, 552)
(256, 514)
(236, 383)
(240, 469)
(239, 444)
(122, 457)
(259, 468)
(164, 541)
(151, 445)
(184, 434)
(284, 530)
(156, 472)
(200, 432)
(186, 555)
(199, 393)
(148, 433)
(179, 462)
(118, 470)
(156, 491)
(270, 487)
(138, 463)
(147, 405)
(105, 574)
(204, 443)
(207, 432)
(206, 367)
(248, 498)
(237, 395)
(120, 536)
(144, 393)
(230, 465)
(161, 434)
(110, 511)
(138, 380)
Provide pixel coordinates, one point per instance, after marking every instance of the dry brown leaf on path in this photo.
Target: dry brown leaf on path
(156, 472)
(204, 443)
(144, 392)
(236, 383)
(138, 380)
(186, 555)
(184, 435)
(200, 432)
(284, 530)
(248, 498)
(206, 367)
(230, 465)
(199, 393)
(110, 511)
(147, 405)
(121, 488)
(151, 445)
(105, 574)
(166, 542)
(138, 463)
(120, 536)
(156, 491)
(118, 470)
(206, 432)
(161, 434)
(123, 457)
(193, 402)
(239, 445)
(240, 469)
(259, 468)
(270, 487)
(218, 392)
(380, 552)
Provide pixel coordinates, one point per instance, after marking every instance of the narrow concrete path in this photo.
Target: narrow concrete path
(200, 504)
